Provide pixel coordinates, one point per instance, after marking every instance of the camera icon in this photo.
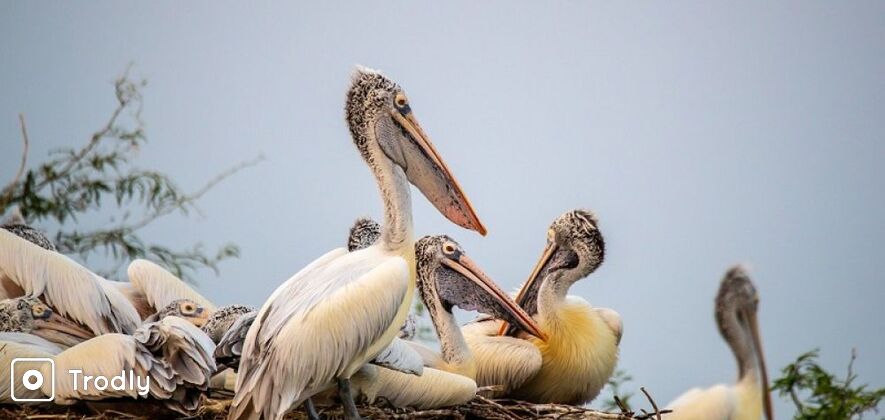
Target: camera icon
(26, 379)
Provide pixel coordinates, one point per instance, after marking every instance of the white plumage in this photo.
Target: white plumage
(72, 290)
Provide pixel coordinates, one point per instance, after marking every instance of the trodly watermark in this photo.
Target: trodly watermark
(33, 379)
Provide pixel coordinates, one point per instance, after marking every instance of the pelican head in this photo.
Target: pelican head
(380, 117)
(736, 305)
(221, 320)
(30, 315)
(575, 248)
(363, 234)
(446, 275)
(183, 308)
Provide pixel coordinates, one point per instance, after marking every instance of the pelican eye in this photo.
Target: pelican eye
(41, 311)
(449, 248)
(401, 103)
(188, 308)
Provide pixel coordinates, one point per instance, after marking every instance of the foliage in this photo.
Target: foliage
(818, 394)
(619, 398)
(100, 178)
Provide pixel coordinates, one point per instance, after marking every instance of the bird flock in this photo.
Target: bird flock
(340, 329)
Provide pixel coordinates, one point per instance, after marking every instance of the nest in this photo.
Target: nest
(216, 409)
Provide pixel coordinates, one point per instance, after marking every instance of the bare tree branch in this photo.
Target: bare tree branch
(10, 188)
(193, 197)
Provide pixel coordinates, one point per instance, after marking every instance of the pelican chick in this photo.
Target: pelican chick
(185, 309)
(30, 315)
(581, 350)
(736, 306)
(447, 277)
(338, 313)
(223, 318)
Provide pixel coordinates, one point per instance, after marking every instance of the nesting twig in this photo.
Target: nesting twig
(478, 408)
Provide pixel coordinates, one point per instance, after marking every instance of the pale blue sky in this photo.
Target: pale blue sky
(702, 134)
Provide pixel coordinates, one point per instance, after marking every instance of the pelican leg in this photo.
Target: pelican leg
(311, 409)
(350, 411)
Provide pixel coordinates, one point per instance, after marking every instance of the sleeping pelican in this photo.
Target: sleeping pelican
(342, 310)
(581, 349)
(27, 269)
(31, 316)
(185, 309)
(736, 306)
(171, 357)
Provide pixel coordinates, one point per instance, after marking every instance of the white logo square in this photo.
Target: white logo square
(31, 378)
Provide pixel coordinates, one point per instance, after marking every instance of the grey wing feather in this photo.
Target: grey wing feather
(230, 348)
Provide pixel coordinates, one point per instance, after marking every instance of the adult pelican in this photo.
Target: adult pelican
(736, 305)
(339, 312)
(581, 349)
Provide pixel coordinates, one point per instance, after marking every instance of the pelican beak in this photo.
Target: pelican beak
(426, 170)
(760, 356)
(56, 323)
(467, 268)
(531, 284)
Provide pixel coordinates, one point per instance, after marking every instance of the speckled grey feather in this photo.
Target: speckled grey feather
(363, 234)
(221, 320)
(30, 234)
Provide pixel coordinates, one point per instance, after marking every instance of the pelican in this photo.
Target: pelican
(223, 318)
(736, 305)
(28, 269)
(447, 277)
(581, 349)
(323, 324)
(31, 316)
(185, 309)
(152, 287)
(171, 357)
(457, 356)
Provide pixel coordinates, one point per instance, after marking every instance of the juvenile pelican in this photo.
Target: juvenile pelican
(31, 316)
(581, 349)
(339, 312)
(223, 318)
(28, 269)
(447, 277)
(736, 306)
(185, 309)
